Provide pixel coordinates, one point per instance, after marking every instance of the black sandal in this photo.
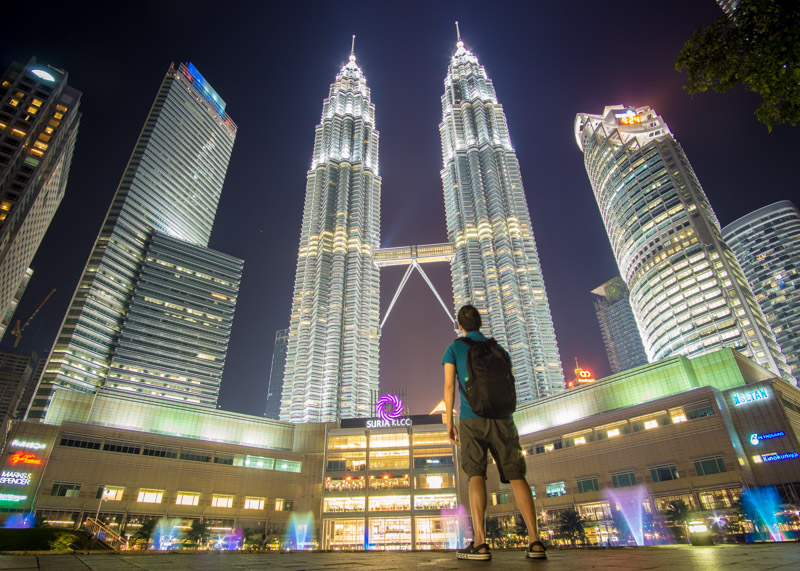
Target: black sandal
(537, 554)
(473, 552)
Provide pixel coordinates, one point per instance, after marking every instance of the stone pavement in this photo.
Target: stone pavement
(784, 556)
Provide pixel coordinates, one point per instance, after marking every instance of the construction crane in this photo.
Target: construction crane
(20, 327)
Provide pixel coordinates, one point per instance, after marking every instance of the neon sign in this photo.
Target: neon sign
(776, 457)
(15, 478)
(24, 458)
(744, 398)
(756, 438)
(12, 498)
(28, 445)
(388, 423)
(42, 74)
(389, 408)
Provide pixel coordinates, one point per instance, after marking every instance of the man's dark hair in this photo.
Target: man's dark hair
(469, 318)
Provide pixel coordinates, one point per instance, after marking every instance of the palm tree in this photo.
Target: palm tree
(145, 531)
(198, 534)
(570, 524)
(678, 515)
(248, 537)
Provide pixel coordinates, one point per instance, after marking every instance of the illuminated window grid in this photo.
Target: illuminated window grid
(254, 503)
(221, 501)
(187, 499)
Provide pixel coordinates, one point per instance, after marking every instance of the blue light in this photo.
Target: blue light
(202, 85)
(744, 398)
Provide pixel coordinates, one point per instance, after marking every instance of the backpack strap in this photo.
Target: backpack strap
(471, 343)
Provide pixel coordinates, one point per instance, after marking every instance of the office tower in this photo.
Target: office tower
(767, 244)
(276, 371)
(687, 291)
(332, 356)
(618, 326)
(17, 370)
(152, 309)
(39, 122)
(496, 265)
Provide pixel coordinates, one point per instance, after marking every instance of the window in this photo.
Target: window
(664, 473)
(623, 479)
(556, 489)
(351, 441)
(65, 490)
(288, 466)
(187, 499)
(220, 501)
(251, 503)
(499, 498)
(428, 438)
(390, 440)
(282, 505)
(196, 455)
(588, 485)
(110, 493)
(261, 462)
(700, 412)
(707, 466)
(434, 481)
(159, 451)
(122, 446)
(533, 492)
(150, 496)
(80, 441)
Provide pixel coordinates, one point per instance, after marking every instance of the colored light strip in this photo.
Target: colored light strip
(776, 457)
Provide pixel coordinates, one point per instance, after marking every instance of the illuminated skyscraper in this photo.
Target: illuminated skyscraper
(496, 264)
(767, 244)
(276, 371)
(687, 291)
(618, 326)
(153, 308)
(38, 127)
(332, 357)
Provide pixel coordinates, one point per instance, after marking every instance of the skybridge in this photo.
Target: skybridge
(414, 257)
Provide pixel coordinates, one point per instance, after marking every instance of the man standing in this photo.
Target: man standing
(479, 435)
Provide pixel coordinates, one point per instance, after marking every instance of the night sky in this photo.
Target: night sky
(273, 65)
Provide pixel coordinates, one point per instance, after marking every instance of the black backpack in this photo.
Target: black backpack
(490, 387)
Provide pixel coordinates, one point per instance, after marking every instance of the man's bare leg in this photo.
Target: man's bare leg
(477, 508)
(522, 492)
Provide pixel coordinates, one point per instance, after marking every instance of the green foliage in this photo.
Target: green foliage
(570, 525)
(199, 533)
(758, 48)
(41, 539)
(146, 531)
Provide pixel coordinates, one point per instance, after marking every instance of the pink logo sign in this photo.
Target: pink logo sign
(389, 407)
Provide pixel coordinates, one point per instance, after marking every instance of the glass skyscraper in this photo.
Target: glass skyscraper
(39, 121)
(276, 371)
(618, 326)
(496, 265)
(332, 356)
(687, 291)
(767, 244)
(152, 309)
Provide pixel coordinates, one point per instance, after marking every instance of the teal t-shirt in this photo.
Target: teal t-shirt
(456, 354)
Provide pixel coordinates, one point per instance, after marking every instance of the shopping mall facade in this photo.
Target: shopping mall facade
(700, 430)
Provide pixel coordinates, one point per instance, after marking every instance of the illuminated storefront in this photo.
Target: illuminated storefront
(391, 487)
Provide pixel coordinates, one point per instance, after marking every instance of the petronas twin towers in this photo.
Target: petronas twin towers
(332, 361)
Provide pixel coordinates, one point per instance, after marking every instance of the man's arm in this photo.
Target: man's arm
(449, 396)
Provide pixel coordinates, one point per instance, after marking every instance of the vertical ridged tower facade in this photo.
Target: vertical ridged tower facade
(168, 196)
(496, 266)
(332, 356)
(767, 244)
(687, 290)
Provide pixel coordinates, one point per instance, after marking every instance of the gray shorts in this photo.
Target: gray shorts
(497, 435)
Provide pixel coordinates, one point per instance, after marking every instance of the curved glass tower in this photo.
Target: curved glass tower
(687, 291)
(332, 356)
(767, 244)
(496, 266)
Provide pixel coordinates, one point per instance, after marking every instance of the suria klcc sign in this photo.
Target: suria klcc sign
(389, 410)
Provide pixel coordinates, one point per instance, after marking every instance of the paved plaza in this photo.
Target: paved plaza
(674, 558)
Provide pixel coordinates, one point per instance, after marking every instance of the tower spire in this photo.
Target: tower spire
(458, 32)
(353, 46)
